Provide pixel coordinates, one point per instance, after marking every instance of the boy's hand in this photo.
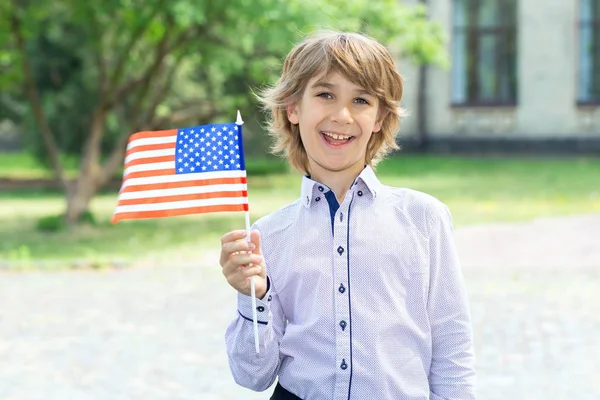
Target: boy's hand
(241, 259)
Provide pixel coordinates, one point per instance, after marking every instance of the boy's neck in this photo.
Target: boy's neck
(338, 181)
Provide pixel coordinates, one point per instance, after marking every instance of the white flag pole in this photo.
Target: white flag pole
(239, 123)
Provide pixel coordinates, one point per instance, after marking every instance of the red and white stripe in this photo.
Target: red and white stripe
(152, 189)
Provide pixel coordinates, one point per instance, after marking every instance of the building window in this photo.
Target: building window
(589, 52)
(484, 52)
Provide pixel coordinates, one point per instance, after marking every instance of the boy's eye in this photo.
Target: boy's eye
(360, 100)
(325, 95)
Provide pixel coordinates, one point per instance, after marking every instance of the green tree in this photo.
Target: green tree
(94, 72)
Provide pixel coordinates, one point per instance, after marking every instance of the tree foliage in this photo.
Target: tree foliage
(79, 77)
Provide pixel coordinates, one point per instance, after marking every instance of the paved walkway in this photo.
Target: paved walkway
(157, 333)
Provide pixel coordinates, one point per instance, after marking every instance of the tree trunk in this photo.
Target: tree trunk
(422, 133)
(78, 200)
(83, 190)
(34, 97)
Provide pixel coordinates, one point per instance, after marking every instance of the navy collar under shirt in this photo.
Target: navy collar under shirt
(366, 182)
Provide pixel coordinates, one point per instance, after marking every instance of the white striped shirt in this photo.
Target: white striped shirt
(366, 299)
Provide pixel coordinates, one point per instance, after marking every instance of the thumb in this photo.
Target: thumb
(255, 238)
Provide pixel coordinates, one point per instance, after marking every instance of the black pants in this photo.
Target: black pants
(281, 394)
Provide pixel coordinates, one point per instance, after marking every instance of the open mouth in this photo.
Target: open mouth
(336, 139)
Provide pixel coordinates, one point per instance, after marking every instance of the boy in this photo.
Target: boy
(359, 287)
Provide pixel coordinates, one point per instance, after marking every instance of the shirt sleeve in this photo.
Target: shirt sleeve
(256, 371)
(452, 373)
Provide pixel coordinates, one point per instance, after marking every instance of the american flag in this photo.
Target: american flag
(183, 171)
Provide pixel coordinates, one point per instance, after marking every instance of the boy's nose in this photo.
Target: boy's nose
(342, 116)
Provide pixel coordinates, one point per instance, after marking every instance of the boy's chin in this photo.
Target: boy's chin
(342, 166)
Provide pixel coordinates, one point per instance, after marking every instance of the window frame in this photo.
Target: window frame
(593, 24)
(500, 31)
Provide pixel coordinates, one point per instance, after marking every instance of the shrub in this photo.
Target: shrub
(55, 223)
(52, 223)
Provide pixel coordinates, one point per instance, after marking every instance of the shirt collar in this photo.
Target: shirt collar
(370, 181)
(367, 179)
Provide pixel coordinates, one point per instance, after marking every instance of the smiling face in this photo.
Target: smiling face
(336, 120)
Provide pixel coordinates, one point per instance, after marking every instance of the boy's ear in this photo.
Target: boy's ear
(378, 124)
(292, 114)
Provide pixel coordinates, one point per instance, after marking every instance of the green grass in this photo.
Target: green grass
(477, 191)
(481, 190)
(25, 166)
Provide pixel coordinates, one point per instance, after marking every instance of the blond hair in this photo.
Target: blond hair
(361, 60)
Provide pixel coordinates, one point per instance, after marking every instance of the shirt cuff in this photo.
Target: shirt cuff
(263, 306)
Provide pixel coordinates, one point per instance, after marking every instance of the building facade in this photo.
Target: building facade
(523, 74)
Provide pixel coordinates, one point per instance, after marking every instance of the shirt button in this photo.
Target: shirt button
(360, 193)
(340, 250)
(341, 217)
(270, 298)
(260, 308)
(342, 289)
(321, 188)
(343, 325)
(344, 365)
(317, 199)
(307, 200)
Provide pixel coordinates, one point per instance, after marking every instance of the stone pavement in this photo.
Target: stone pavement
(157, 333)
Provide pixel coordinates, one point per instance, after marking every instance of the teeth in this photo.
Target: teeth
(336, 137)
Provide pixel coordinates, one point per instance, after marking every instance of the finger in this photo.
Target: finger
(255, 239)
(240, 278)
(233, 236)
(240, 260)
(234, 248)
(232, 242)
(247, 272)
(246, 258)
(237, 246)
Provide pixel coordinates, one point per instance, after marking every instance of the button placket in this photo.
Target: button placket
(341, 300)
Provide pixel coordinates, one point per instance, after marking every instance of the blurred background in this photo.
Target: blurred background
(504, 127)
